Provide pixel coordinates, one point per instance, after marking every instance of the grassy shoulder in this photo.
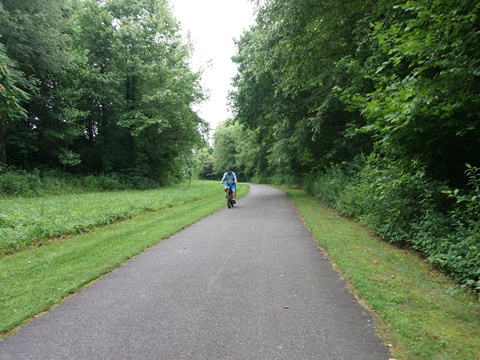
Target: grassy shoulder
(422, 313)
(34, 280)
(29, 222)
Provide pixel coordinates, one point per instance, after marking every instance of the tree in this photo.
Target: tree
(424, 100)
(286, 72)
(225, 139)
(11, 99)
(137, 89)
(206, 160)
(159, 86)
(32, 36)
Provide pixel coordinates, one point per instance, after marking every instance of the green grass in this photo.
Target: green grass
(34, 280)
(422, 313)
(26, 222)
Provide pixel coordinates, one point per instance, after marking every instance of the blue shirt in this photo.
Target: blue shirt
(229, 178)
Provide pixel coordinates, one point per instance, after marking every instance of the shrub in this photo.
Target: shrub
(110, 182)
(388, 198)
(458, 250)
(400, 204)
(20, 183)
(330, 185)
(141, 183)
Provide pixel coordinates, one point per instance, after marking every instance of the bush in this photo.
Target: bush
(332, 184)
(20, 183)
(388, 198)
(110, 182)
(278, 179)
(400, 204)
(458, 250)
(141, 183)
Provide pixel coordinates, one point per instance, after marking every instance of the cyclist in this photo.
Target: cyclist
(230, 178)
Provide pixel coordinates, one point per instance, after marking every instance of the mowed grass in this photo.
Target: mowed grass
(33, 280)
(27, 222)
(422, 313)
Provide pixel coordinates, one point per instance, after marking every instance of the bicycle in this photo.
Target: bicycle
(229, 196)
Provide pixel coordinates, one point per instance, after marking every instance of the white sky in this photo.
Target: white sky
(213, 24)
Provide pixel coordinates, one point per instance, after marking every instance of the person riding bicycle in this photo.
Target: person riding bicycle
(230, 179)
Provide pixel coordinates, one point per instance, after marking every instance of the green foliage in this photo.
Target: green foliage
(105, 85)
(33, 35)
(21, 183)
(411, 210)
(227, 139)
(424, 100)
(148, 129)
(206, 160)
(11, 99)
(283, 92)
(330, 185)
(387, 197)
(457, 250)
(11, 96)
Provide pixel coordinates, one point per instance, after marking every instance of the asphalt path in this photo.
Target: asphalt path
(243, 283)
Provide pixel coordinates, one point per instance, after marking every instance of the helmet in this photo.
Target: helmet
(229, 168)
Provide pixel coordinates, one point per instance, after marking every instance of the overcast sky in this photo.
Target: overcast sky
(212, 25)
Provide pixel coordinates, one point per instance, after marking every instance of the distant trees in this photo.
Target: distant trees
(102, 86)
(287, 70)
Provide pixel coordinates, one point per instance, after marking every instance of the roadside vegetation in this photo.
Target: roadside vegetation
(21, 183)
(35, 279)
(422, 313)
(408, 210)
(27, 222)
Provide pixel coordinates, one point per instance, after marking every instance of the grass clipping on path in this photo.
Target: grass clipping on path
(34, 280)
(421, 313)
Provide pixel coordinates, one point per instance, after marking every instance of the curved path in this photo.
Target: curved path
(244, 283)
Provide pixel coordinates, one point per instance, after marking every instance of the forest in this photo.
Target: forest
(97, 87)
(372, 107)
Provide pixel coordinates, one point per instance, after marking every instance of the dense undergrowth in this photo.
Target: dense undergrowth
(14, 183)
(408, 209)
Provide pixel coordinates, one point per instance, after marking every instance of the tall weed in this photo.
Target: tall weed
(20, 183)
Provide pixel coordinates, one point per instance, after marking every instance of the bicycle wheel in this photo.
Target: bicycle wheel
(229, 198)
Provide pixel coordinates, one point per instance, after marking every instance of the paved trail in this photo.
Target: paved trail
(244, 283)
